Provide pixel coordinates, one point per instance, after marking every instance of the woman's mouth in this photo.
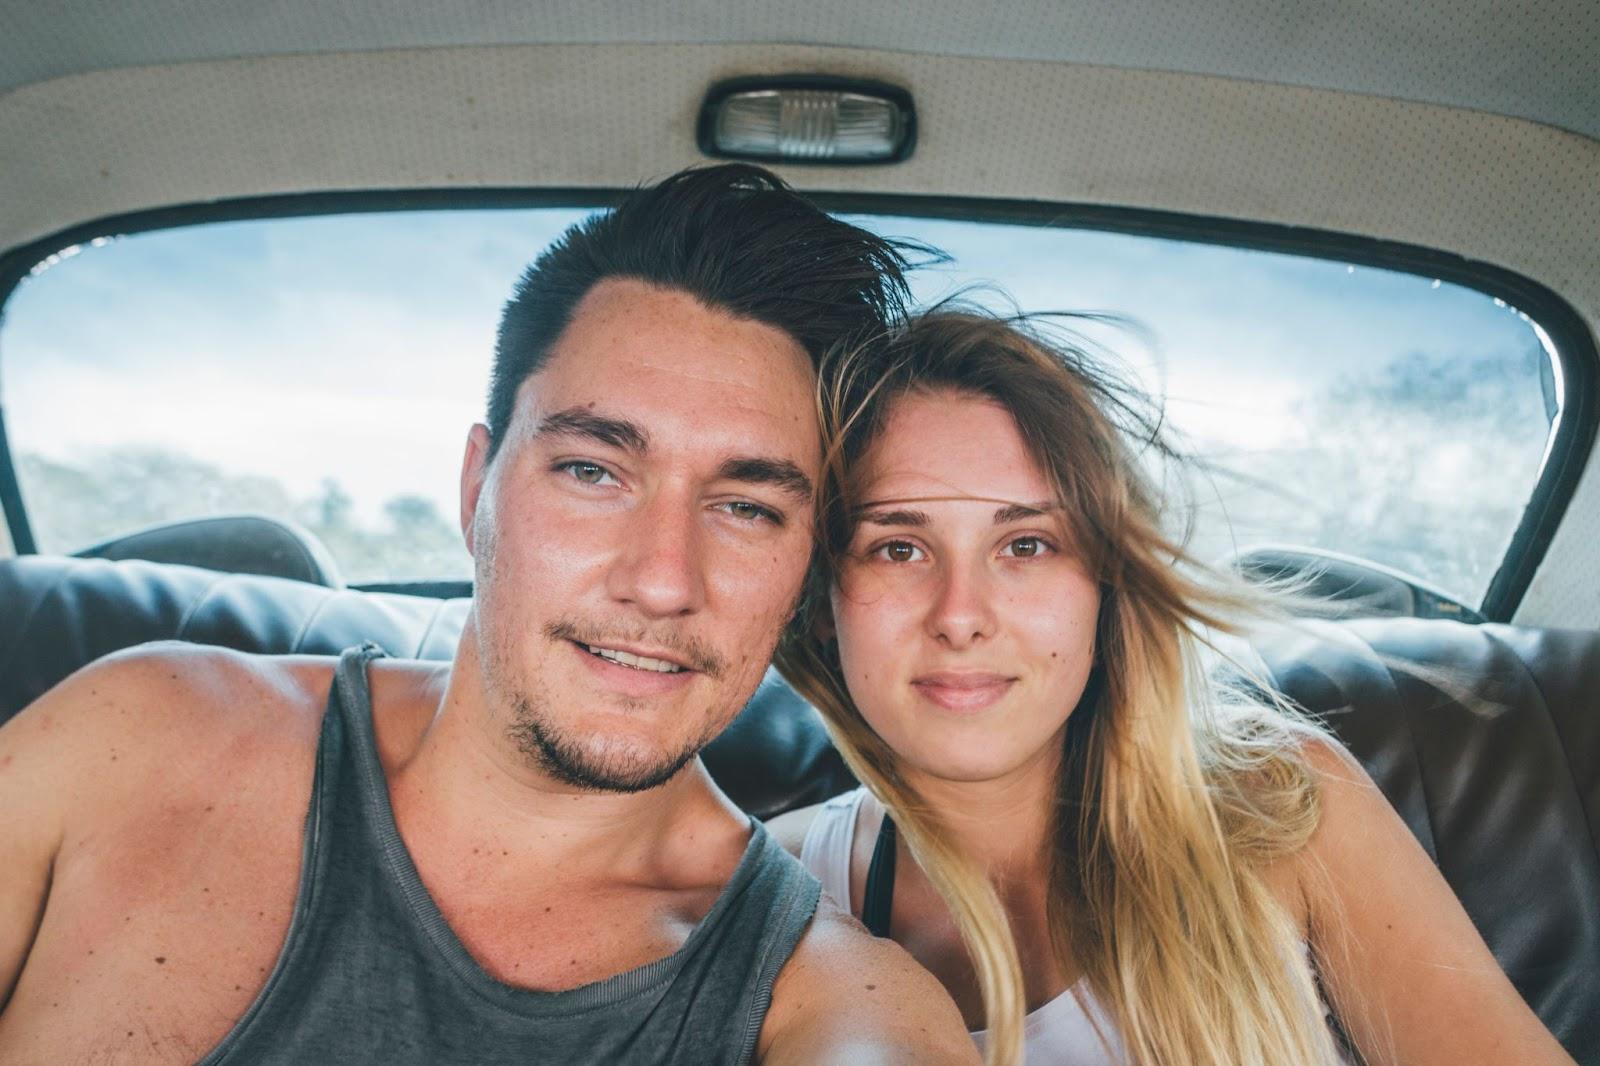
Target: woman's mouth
(963, 691)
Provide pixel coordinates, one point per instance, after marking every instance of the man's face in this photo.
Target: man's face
(641, 536)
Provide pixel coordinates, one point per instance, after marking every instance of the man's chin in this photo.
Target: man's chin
(614, 765)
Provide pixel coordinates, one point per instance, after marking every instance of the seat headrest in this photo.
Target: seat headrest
(235, 544)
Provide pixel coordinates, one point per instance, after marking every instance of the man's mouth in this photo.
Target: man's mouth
(637, 662)
(668, 655)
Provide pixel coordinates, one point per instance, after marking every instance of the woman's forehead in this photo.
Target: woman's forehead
(949, 446)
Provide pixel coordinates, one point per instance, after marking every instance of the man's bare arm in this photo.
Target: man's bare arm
(83, 751)
(848, 997)
(36, 779)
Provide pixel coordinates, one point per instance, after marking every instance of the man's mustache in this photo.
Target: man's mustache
(690, 651)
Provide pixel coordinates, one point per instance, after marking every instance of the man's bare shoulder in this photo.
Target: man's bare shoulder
(158, 775)
(181, 684)
(113, 719)
(789, 828)
(848, 996)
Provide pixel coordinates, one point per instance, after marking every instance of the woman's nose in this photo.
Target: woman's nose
(962, 613)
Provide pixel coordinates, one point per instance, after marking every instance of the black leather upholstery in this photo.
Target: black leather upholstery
(1485, 738)
(1487, 741)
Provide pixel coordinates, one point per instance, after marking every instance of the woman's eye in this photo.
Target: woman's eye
(899, 551)
(588, 473)
(1026, 547)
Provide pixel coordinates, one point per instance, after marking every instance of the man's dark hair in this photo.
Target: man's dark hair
(736, 238)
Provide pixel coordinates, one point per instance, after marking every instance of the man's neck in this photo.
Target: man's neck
(465, 780)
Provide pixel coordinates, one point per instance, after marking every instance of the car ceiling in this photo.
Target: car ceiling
(1537, 61)
(1450, 125)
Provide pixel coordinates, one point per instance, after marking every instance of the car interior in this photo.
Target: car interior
(1456, 141)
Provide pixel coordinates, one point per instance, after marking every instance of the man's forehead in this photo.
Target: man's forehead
(672, 331)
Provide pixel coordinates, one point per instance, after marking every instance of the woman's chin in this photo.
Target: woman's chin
(965, 766)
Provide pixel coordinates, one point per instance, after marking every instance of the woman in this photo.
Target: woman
(1102, 854)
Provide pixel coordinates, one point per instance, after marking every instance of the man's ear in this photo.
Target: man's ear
(474, 469)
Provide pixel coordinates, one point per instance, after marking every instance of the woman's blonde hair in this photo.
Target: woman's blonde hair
(1175, 792)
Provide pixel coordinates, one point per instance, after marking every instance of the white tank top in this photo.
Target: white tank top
(1072, 1027)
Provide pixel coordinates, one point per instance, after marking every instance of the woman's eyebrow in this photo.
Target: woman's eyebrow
(1016, 512)
(895, 518)
(883, 514)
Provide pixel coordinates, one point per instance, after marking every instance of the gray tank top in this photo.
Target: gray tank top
(370, 972)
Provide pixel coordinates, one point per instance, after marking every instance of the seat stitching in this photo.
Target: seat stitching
(305, 627)
(1387, 674)
(22, 632)
(196, 603)
(427, 630)
(1416, 759)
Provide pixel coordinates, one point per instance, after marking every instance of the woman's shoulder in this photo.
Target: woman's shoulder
(1346, 807)
(791, 828)
(1280, 784)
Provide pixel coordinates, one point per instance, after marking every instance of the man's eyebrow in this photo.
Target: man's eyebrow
(888, 517)
(581, 422)
(781, 474)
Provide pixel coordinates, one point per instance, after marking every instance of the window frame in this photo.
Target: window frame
(1574, 344)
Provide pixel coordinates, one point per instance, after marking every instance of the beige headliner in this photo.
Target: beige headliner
(1509, 191)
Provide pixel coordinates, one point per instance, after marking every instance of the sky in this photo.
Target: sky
(357, 347)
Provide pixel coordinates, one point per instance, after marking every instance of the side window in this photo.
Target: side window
(1403, 420)
(320, 370)
(325, 370)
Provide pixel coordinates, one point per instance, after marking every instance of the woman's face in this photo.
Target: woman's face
(965, 626)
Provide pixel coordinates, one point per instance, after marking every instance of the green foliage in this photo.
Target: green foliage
(73, 506)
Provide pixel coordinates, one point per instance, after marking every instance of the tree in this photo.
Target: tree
(74, 505)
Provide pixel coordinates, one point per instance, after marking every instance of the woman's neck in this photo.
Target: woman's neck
(1004, 823)
(1005, 826)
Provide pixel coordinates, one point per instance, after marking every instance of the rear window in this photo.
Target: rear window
(325, 370)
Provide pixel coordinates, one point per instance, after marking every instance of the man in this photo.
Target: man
(517, 858)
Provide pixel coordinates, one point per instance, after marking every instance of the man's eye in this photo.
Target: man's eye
(899, 551)
(1027, 547)
(588, 473)
(752, 512)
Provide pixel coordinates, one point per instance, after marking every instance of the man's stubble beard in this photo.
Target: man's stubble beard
(537, 734)
(568, 762)
(531, 727)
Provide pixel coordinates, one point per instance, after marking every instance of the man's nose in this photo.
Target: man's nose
(660, 568)
(962, 612)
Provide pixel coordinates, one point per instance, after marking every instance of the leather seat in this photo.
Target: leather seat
(235, 544)
(1485, 738)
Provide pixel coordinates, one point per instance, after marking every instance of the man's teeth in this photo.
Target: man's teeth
(638, 662)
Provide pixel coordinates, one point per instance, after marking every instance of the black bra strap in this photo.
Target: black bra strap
(879, 899)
